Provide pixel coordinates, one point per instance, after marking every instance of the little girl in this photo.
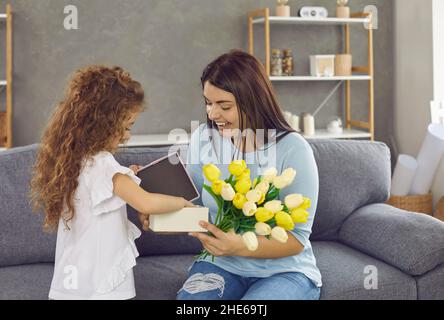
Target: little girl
(83, 190)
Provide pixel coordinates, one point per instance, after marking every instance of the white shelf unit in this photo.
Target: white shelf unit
(315, 21)
(3, 83)
(310, 78)
(3, 16)
(353, 128)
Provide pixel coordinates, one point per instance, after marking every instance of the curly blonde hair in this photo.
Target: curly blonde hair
(91, 117)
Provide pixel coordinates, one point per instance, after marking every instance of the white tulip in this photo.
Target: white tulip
(249, 208)
(274, 206)
(250, 240)
(269, 175)
(253, 195)
(279, 234)
(262, 229)
(227, 192)
(293, 201)
(280, 182)
(285, 179)
(263, 187)
(289, 174)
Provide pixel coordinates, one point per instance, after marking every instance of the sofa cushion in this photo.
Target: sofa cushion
(22, 239)
(159, 278)
(156, 278)
(26, 282)
(431, 285)
(352, 174)
(344, 275)
(412, 242)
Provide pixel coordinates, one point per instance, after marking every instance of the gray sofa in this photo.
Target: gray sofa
(355, 236)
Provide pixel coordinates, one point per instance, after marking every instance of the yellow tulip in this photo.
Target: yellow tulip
(237, 167)
(307, 204)
(243, 186)
(245, 175)
(284, 220)
(263, 215)
(239, 200)
(217, 186)
(299, 215)
(211, 172)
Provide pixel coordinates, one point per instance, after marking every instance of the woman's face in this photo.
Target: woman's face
(222, 109)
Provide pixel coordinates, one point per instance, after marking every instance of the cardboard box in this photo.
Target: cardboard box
(184, 220)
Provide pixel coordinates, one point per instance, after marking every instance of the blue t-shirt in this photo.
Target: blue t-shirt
(291, 151)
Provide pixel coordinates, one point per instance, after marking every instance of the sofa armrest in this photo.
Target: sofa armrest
(412, 242)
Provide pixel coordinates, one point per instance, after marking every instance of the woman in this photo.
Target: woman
(244, 121)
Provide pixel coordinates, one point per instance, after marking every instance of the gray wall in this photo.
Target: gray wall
(166, 44)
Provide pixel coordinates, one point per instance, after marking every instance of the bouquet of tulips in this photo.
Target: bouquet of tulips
(250, 208)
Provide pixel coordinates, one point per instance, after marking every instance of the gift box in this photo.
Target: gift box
(184, 220)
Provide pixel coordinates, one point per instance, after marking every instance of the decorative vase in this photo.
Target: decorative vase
(343, 12)
(343, 65)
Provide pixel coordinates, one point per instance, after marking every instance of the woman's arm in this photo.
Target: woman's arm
(230, 244)
(145, 202)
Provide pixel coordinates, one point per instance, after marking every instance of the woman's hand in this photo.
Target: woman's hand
(222, 243)
(145, 221)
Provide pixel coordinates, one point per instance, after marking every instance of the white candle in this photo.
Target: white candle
(309, 125)
(294, 123)
(287, 116)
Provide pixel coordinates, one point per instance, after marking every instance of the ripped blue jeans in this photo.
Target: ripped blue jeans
(209, 282)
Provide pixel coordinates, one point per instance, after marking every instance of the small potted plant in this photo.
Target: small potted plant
(282, 8)
(342, 11)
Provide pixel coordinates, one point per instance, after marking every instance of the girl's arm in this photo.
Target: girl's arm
(145, 202)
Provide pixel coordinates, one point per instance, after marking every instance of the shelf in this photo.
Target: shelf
(3, 149)
(347, 134)
(316, 21)
(3, 16)
(310, 78)
(156, 140)
(3, 83)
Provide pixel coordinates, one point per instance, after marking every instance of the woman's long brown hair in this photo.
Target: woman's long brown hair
(242, 75)
(89, 119)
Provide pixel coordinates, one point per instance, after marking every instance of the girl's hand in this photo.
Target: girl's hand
(221, 244)
(135, 168)
(188, 204)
